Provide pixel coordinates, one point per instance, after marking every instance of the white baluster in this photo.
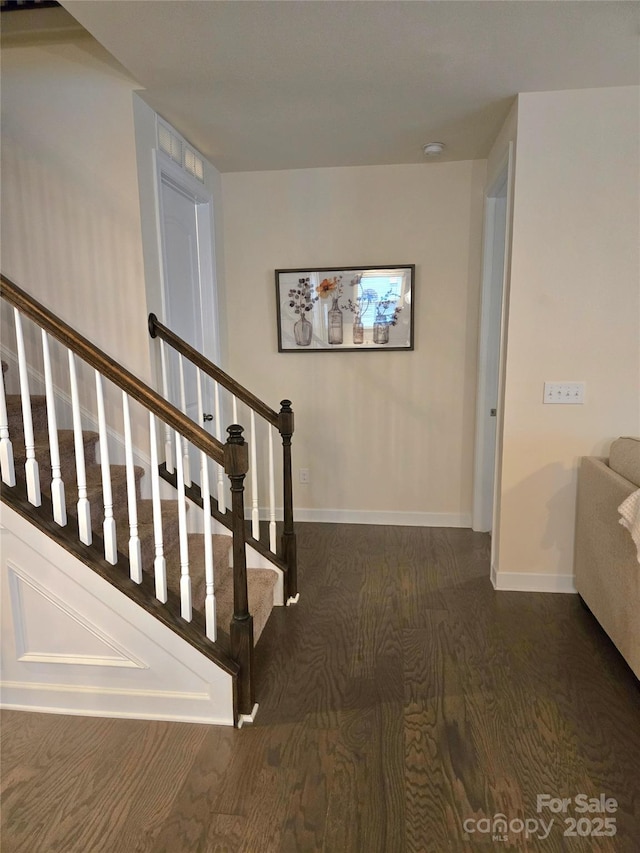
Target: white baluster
(186, 465)
(185, 580)
(222, 484)
(159, 563)
(210, 601)
(83, 507)
(168, 448)
(31, 470)
(109, 523)
(57, 484)
(6, 448)
(135, 556)
(200, 402)
(255, 510)
(272, 495)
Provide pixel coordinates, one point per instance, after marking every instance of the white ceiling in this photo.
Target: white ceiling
(265, 84)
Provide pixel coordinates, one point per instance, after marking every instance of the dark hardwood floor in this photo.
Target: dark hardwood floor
(402, 701)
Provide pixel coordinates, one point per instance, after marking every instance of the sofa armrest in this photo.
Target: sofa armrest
(606, 565)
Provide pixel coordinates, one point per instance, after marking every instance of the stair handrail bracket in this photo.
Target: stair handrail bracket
(283, 421)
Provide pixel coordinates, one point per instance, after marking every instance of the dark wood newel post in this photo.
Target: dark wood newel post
(289, 548)
(236, 464)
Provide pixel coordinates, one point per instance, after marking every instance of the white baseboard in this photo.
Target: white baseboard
(532, 582)
(391, 517)
(372, 516)
(96, 701)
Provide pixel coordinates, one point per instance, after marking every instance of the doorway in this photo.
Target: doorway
(189, 299)
(188, 282)
(488, 443)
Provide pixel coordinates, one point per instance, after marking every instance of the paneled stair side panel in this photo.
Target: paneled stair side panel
(73, 644)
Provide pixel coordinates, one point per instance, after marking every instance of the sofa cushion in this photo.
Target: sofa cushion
(624, 458)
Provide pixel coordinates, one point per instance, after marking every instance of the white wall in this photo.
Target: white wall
(70, 212)
(574, 314)
(386, 436)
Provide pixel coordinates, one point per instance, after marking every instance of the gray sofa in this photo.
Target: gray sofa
(606, 563)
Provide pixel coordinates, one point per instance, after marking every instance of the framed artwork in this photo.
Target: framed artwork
(354, 309)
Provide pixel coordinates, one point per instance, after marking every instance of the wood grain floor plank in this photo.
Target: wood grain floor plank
(401, 696)
(152, 818)
(357, 817)
(95, 780)
(309, 778)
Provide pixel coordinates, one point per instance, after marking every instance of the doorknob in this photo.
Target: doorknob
(207, 417)
(492, 413)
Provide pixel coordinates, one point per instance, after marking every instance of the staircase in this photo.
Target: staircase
(261, 582)
(159, 556)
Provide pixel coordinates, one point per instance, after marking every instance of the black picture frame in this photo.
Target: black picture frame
(346, 309)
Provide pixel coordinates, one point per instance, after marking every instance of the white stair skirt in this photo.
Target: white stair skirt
(73, 644)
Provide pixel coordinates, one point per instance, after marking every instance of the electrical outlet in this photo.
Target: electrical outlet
(564, 393)
(303, 474)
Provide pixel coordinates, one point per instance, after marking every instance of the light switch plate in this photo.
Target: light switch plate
(564, 393)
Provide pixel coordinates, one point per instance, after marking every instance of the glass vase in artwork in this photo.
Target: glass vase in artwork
(302, 330)
(381, 333)
(335, 323)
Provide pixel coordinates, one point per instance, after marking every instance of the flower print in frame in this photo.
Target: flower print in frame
(354, 309)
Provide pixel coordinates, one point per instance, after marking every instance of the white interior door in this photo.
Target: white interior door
(183, 312)
(186, 236)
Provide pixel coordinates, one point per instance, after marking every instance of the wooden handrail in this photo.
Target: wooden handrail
(110, 368)
(158, 329)
(283, 421)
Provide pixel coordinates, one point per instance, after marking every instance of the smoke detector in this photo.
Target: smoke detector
(433, 149)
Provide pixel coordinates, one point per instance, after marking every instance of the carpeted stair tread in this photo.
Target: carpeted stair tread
(146, 530)
(168, 510)
(69, 474)
(260, 585)
(66, 446)
(14, 415)
(94, 486)
(221, 570)
(95, 496)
